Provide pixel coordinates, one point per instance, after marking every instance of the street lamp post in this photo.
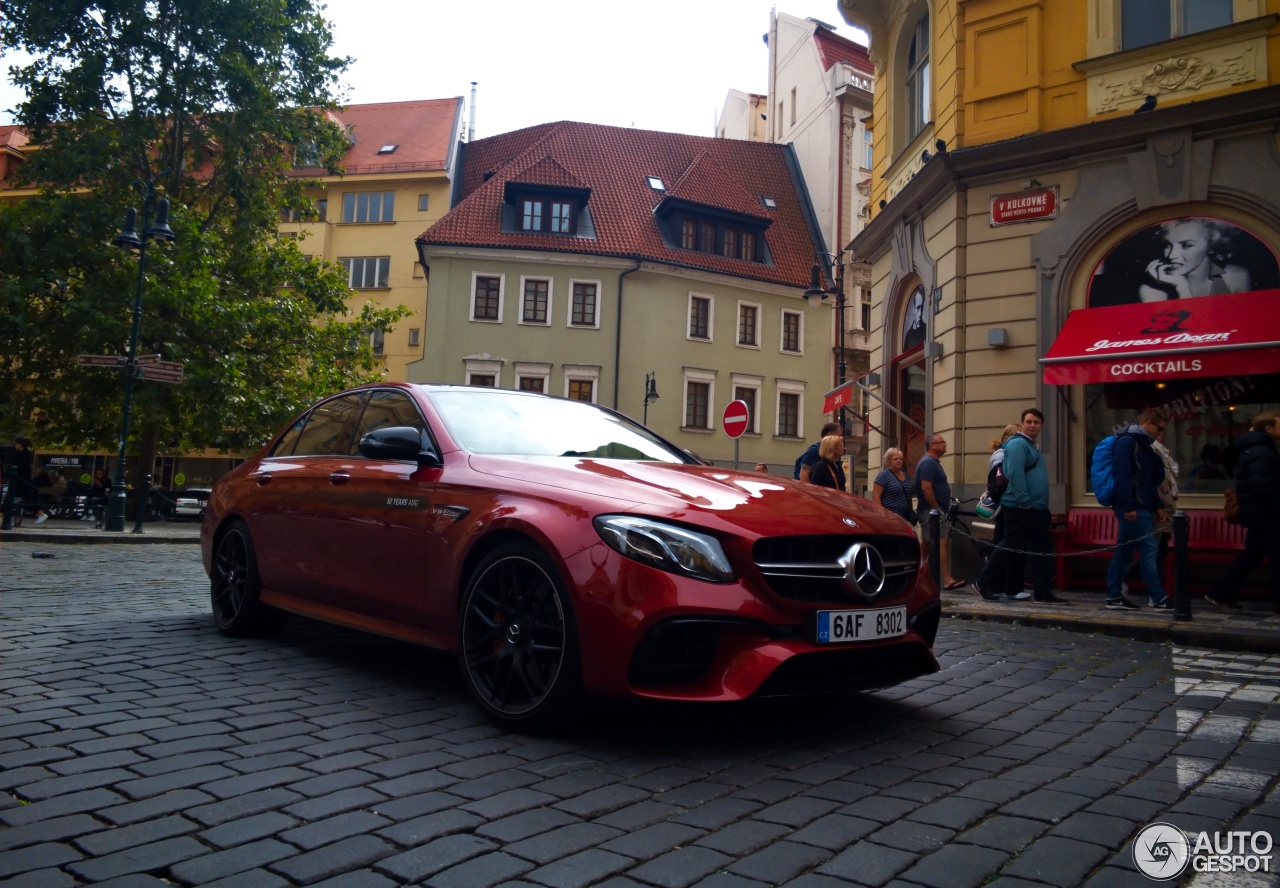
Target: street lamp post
(815, 295)
(650, 394)
(129, 239)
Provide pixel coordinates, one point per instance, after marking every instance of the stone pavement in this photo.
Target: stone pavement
(138, 747)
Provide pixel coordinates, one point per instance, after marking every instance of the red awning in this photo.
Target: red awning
(1233, 334)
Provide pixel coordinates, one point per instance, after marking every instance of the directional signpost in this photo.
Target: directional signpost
(735, 421)
(101, 360)
(161, 371)
(146, 366)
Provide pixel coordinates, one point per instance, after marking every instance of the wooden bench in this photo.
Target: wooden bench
(1209, 539)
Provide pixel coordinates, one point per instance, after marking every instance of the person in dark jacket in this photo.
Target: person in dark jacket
(827, 471)
(1138, 472)
(1257, 480)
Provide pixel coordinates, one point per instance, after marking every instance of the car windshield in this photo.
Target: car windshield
(507, 423)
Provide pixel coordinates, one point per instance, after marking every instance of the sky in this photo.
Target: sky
(660, 64)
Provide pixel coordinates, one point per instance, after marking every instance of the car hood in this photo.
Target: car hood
(762, 504)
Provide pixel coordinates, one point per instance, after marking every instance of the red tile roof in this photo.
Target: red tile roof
(835, 49)
(423, 132)
(12, 136)
(614, 163)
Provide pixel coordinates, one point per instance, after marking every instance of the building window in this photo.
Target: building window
(486, 380)
(699, 317)
(729, 243)
(581, 390)
(560, 213)
(748, 249)
(688, 235)
(378, 341)
(1144, 22)
(697, 405)
(532, 384)
(748, 396)
(748, 324)
(584, 304)
(791, 331)
(917, 82)
(486, 302)
(866, 149)
(368, 206)
(367, 272)
(866, 316)
(535, 302)
(707, 237)
(415, 335)
(424, 201)
(322, 210)
(780, 106)
(789, 414)
(793, 106)
(555, 216)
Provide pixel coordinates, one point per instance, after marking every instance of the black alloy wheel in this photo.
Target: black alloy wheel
(518, 644)
(234, 587)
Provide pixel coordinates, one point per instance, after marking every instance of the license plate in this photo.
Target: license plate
(836, 627)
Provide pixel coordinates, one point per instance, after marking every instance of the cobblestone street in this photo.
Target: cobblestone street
(139, 745)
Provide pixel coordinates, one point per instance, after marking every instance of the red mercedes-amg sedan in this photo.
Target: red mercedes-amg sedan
(559, 547)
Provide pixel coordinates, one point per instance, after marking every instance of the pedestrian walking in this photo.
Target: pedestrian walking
(1257, 481)
(933, 491)
(1026, 514)
(1167, 493)
(828, 472)
(804, 464)
(1137, 472)
(991, 582)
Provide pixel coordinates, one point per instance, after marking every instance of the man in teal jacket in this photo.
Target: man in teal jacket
(1025, 506)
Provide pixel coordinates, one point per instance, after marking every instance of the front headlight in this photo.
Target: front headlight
(666, 547)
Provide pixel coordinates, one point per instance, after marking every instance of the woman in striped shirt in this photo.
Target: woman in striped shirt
(892, 487)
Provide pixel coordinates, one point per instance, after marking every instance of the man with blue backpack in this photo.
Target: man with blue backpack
(1126, 473)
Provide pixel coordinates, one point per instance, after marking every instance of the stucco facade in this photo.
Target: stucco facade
(1036, 101)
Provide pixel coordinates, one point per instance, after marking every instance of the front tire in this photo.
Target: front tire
(518, 644)
(234, 587)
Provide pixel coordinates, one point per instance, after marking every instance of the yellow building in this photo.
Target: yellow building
(1040, 158)
(396, 182)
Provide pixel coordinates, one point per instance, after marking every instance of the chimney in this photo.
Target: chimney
(471, 128)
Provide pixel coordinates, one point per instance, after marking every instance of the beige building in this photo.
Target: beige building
(606, 264)
(1049, 178)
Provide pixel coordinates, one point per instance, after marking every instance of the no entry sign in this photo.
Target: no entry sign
(736, 418)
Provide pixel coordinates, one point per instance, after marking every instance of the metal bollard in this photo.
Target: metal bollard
(144, 502)
(935, 546)
(7, 523)
(1181, 567)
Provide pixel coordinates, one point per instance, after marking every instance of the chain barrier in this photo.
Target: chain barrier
(953, 519)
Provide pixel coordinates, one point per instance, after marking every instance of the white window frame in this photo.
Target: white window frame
(535, 370)
(502, 295)
(711, 318)
(380, 263)
(917, 82)
(756, 383)
(737, 335)
(415, 335)
(483, 367)
(782, 332)
(789, 387)
(693, 374)
(568, 320)
(551, 287)
(584, 371)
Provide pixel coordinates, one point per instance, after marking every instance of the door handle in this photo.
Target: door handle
(262, 478)
(339, 478)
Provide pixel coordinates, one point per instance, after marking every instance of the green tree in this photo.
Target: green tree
(211, 103)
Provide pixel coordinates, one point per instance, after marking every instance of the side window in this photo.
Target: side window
(289, 440)
(323, 433)
(385, 409)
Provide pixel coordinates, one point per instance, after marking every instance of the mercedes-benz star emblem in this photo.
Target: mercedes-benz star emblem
(850, 522)
(863, 569)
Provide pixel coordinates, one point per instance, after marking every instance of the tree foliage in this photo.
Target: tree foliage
(209, 102)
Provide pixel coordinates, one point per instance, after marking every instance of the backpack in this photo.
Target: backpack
(1102, 471)
(996, 483)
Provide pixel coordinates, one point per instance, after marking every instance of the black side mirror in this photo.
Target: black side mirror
(400, 442)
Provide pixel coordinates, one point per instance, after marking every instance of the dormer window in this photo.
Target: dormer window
(546, 209)
(388, 149)
(733, 239)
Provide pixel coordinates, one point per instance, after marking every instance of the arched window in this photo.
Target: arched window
(909, 377)
(917, 79)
